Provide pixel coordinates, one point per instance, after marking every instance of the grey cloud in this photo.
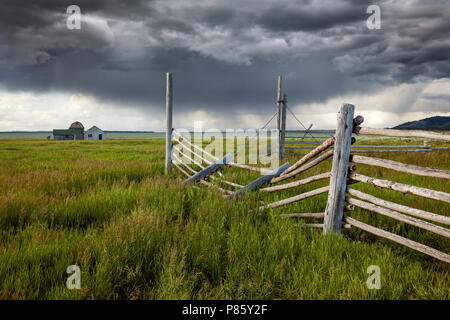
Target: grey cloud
(40, 13)
(306, 18)
(444, 97)
(222, 55)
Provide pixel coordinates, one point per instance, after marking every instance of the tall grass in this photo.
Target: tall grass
(137, 234)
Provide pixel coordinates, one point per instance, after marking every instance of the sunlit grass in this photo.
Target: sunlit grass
(137, 234)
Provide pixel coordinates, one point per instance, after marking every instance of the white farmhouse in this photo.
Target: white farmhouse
(94, 133)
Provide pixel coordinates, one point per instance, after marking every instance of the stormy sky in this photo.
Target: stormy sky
(225, 57)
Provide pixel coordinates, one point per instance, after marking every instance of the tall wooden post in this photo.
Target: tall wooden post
(279, 104)
(338, 181)
(283, 126)
(169, 127)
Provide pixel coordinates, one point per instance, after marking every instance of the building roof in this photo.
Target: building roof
(76, 125)
(94, 128)
(66, 132)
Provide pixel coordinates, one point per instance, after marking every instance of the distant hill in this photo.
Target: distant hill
(433, 123)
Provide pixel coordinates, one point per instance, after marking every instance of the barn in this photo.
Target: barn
(75, 132)
(94, 133)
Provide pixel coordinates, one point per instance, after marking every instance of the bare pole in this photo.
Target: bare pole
(283, 126)
(279, 110)
(338, 182)
(168, 165)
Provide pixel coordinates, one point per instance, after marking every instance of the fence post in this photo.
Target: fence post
(279, 107)
(283, 126)
(169, 127)
(338, 181)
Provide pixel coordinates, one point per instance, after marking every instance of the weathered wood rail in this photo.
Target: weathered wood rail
(398, 207)
(260, 181)
(401, 167)
(404, 188)
(403, 133)
(210, 169)
(301, 144)
(298, 182)
(305, 167)
(401, 240)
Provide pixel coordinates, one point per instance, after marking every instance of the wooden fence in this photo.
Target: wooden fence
(342, 199)
(393, 210)
(302, 144)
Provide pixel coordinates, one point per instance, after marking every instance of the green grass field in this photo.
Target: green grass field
(107, 207)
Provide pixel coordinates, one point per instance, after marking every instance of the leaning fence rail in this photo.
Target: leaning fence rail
(297, 183)
(295, 198)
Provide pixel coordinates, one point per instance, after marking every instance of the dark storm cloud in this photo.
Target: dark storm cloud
(41, 13)
(222, 54)
(306, 18)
